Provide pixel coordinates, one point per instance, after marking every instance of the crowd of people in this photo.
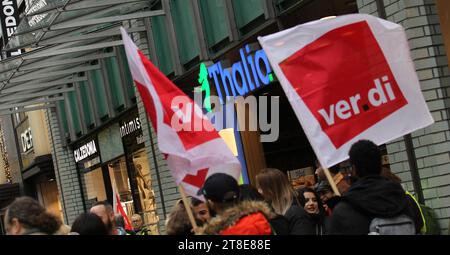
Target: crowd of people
(25, 216)
(371, 201)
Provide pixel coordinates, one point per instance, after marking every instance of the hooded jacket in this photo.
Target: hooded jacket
(246, 218)
(368, 198)
(299, 221)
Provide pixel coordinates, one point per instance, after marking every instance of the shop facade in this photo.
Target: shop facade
(242, 70)
(36, 163)
(114, 160)
(96, 105)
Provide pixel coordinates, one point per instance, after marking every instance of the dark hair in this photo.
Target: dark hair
(32, 215)
(386, 172)
(249, 193)
(119, 220)
(106, 204)
(301, 196)
(302, 200)
(366, 158)
(89, 224)
(196, 202)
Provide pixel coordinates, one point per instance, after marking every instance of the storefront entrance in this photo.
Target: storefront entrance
(116, 161)
(47, 193)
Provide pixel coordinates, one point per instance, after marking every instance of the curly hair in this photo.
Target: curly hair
(366, 158)
(32, 215)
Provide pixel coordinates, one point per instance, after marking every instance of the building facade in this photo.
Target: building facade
(427, 27)
(101, 141)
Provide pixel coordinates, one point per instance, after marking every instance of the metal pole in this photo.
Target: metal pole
(412, 161)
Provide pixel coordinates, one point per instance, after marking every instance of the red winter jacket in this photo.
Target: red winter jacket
(246, 218)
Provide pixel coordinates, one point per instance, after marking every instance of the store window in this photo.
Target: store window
(146, 194)
(248, 14)
(48, 197)
(215, 23)
(110, 143)
(95, 186)
(183, 20)
(121, 183)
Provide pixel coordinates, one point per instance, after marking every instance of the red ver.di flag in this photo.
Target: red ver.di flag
(193, 148)
(348, 78)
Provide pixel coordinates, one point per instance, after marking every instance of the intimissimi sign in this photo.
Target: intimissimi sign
(9, 15)
(129, 127)
(86, 150)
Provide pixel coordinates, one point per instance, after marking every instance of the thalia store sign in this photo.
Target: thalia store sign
(244, 76)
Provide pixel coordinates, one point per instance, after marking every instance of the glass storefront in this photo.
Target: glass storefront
(120, 181)
(95, 186)
(116, 160)
(48, 196)
(146, 194)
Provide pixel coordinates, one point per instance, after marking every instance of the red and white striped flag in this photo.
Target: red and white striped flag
(194, 149)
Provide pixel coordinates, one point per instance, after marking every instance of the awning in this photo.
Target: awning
(62, 39)
(41, 165)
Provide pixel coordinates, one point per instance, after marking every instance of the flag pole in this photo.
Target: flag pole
(331, 181)
(188, 208)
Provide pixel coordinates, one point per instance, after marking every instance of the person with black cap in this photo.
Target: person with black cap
(232, 217)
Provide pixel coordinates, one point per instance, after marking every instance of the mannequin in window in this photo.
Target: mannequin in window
(144, 187)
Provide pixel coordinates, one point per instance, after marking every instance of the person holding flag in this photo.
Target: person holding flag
(353, 86)
(192, 147)
(233, 217)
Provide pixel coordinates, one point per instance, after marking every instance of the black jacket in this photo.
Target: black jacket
(319, 221)
(280, 225)
(299, 222)
(369, 197)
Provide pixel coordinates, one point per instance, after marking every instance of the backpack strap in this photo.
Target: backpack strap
(424, 228)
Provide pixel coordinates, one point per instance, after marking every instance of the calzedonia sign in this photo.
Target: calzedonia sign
(244, 76)
(10, 20)
(84, 151)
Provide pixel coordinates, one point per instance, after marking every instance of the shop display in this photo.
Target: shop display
(303, 177)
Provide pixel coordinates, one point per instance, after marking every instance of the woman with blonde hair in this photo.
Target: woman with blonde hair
(274, 186)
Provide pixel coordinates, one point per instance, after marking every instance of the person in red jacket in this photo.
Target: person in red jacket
(232, 217)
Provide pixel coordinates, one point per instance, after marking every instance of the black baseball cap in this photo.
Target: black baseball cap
(220, 187)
